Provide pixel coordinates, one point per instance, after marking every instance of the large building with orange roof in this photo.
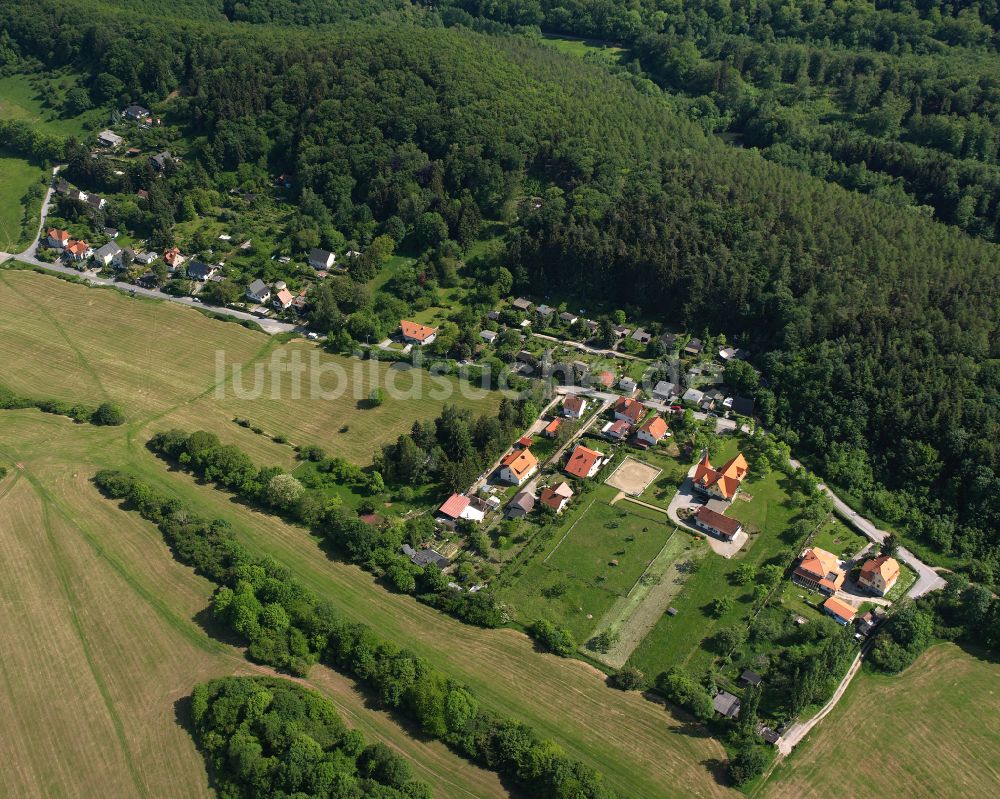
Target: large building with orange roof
(819, 570)
(879, 575)
(584, 462)
(416, 333)
(518, 466)
(721, 483)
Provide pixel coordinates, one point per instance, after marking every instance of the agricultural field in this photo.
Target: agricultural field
(583, 47)
(16, 177)
(162, 363)
(935, 729)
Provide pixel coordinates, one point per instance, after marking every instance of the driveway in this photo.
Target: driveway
(685, 497)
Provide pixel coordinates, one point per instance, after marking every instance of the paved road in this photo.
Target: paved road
(271, 326)
(927, 579)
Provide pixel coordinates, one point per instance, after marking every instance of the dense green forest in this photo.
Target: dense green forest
(876, 328)
(269, 737)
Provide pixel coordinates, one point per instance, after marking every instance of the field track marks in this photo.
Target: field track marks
(84, 363)
(59, 560)
(10, 484)
(140, 424)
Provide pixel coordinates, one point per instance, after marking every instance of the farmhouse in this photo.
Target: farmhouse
(108, 139)
(321, 259)
(518, 466)
(521, 505)
(258, 291)
(722, 483)
(416, 333)
(819, 570)
(584, 462)
(717, 524)
(629, 410)
(552, 428)
(574, 406)
(459, 506)
(558, 497)
(652, 432)
(106, 254)
(879, 575)
(726, 704)
(57, 238)
(841, 612)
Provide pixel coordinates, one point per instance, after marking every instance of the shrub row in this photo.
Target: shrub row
(107, 413)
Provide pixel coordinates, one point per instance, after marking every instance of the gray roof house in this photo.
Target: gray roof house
(107, 138)
(693, 395)
(424, 557)
(694, 347)
(136, 112)
(258, 291)
(664, 390)
(521, 505)
(489, 336)
(522, 304)
(145, 258)
(321, 259)
(107, 253)
(160, 160)
(726, 704)
(197, 270)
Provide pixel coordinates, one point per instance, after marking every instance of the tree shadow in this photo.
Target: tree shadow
(214, 629)
(719, 771)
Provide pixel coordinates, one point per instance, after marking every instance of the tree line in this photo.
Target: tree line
(286, 626)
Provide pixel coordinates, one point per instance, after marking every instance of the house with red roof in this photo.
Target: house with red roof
(574, 406)
(556, 497)
(629, 410)
(652, 432)
(57, 238)
(724, 482)
(717, 524)
(282, 299)
(879, 575)
(819, 570)
(518, 466)
(841, 612)
(459, 506)
(584, 462)
(416, 333)
(552, 429)
(617, 430)
(78, 250)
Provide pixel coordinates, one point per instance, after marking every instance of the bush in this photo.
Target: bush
(109, 414)
(681, 689)
(629, 678)
(557, 640)
(748, 763)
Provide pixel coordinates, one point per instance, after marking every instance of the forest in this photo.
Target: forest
(875, 327)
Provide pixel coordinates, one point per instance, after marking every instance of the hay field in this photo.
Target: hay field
(931, 733)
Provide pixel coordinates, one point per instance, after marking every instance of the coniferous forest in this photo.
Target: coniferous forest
(847, 241)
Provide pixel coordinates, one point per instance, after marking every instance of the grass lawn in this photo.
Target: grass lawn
(682, 639)
(16, 177)
(37, 99)
(582, 47)
(907, 577)
(840, 539)
(935, 729)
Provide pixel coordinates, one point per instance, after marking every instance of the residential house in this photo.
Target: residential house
(819, 570)
(622, 331)
(148, 280)
(723, 482)
(199, 271)
(145, 258)
(726, 704)
(110, 232)
(584, 462)
(57, 238)
(544, 313)
(628, 409)
(574, 406)
(282, 299)
(520, 506)
(416, 333)
(95, 201)
(525, 441)
(173, 259)
(568, 318)
(750, 679)
(106, 254)
(258, 291)
(642, 336)
(552, 428)
(606, 379)
(426, 557)
(321, 259)
(652, 432)
(76, 195)
(628, 385)
(522, 304)
(160, 160)
(693, 396)
(617, 430)
(694, 347)
(727, 354)
(489, 336)
(108, 139)
(136, 113)
(557, 497)
(717, 524)
(664, 391)
(518, 466)
(123, 259)
(77, 250)
(879, 575)
(669, 342)
(459, 506)
(592, 326)
(841, 612)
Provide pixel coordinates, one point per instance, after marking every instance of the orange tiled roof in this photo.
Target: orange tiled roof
(841, 609)
(520, 462)
(416, 331)
(554, 497)
(883, 565)
(76, 247)
(629, 407)
(656, 427)
(727, 478)
(553, 426)
(582, 461)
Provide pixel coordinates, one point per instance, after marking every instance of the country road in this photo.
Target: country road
(271, 326)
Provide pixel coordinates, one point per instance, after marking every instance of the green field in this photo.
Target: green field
(103, 581)
(16, 177)
(37, 99)
(583, 47)
(933, 733)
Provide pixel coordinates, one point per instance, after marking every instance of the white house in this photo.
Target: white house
(108, 139)
(321, 259)
(518, 466)
(652, 432)
(416, 333)
(459, 506)
(57, 238)
(106, 254)
(258, 291)
(574, 406)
